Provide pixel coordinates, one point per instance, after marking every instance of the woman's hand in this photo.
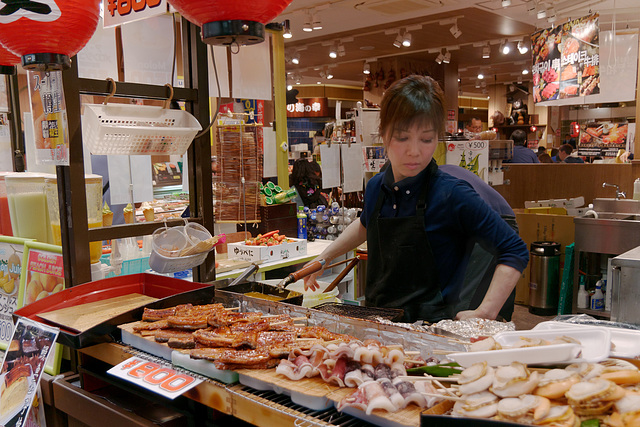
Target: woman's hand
(472, 314)
(310, 281)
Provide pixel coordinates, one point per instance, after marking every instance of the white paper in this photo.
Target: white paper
(251, 68)
(222, 66)
(148, 50)
(98, 59)
(30, 148)
(330, 157)
(352, 165)
(270, 162)
(119, 179)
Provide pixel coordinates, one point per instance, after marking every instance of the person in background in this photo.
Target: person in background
(541, 150)
(306, 177)
(564, 155)
(568, 139)
(473, 127)
(420, 223)
(522, 154)
(482, 261)
(545, 158)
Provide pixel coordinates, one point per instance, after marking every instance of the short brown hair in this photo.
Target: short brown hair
(411, 100)
(566, 148)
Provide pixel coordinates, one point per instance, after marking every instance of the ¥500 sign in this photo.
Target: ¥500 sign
(122, 11)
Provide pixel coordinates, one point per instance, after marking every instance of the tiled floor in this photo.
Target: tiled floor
(525, 320)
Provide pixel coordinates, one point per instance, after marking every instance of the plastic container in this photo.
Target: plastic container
(583, 295)
(544, 282)
(302, 223)
(597, 299)
(93, 191)
(28, 206)
(5, 216)
(169, 242)
(137, 129)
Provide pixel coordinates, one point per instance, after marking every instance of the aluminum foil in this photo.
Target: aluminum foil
(472, 328)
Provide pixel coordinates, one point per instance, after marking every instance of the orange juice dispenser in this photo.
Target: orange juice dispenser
(5, 216)
(28, 206)
(93, 189)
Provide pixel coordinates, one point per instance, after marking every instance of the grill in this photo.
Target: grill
(361, 312)
(308, 417)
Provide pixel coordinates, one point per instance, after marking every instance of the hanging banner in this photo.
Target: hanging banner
(566, 60)
(118, 12)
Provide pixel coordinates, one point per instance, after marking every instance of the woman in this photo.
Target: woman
(419, 222)
(306, 176)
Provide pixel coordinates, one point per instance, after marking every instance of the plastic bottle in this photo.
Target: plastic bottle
(583, 295)
(302, 223)
(597, 300)
(285, 196)
(636, 189)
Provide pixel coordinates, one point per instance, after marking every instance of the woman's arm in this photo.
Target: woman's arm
(351, 237)
(503, 281)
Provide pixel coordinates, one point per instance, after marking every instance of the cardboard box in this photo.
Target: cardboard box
(297, 247)
(542, 227)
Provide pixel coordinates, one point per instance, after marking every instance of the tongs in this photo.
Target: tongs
(317, 266)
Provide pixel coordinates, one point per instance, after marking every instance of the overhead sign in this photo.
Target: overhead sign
(118, 12)
(566, 60)
(309, 107)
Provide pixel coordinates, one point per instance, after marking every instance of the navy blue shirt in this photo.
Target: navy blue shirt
(455, 218)
(523, 155)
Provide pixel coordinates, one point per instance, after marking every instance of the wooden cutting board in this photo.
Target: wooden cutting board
(85, 316)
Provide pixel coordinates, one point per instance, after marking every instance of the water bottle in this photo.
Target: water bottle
(285, 196)
(636, 189)
(583, 295)
(597, 300)
(302, 223)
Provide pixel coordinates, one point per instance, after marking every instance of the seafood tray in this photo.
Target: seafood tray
(449, 421)
(362, 312)
(166, 291)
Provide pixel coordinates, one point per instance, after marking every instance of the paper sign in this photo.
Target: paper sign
(472, 155)
(125, 171)
(374, 158)
(154, 377)
(330, 165)
(119, 12)
(22, 369)
(11, 249)
(352, 168)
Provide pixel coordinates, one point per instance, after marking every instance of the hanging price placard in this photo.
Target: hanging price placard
(118, 12)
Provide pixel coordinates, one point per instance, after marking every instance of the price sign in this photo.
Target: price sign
(11, 249)
(472, 155)
(118, 12)
(154, 377)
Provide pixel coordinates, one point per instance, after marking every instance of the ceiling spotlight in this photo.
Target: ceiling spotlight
(480, 76)
(506, 3)
(329, 75)
(455, 31)
(322, 74)
(519, 80)
(447, 57)
(333, 52)
(542, 12)
(307, 23)
(440, 58)
(366, 69)
(522, 48)
(551, 15)
(341, 51)
(525, 71)
(398, 41)
(477, 84)
(505, 48)
(289, 87)
(406, 40)
(319, 83)
(486, 52)
(315, 22)
(295, 59)
(286, 27)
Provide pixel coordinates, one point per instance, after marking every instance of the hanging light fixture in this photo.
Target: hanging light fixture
(286, 29)
(307, 26)
(440, 58)
(486, 52)
(525, 71)
(522, 47)
(229, 22)
(333, 52)
(341, 51)
(398, 41)
(406, 40)
(447, 57)
(295, 59)
(542, 11)
(551, 15)
(480, 76)
(366, 69)
(454, 30)
(505, 48)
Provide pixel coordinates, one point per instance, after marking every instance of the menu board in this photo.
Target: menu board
(566, 60)
(602, 138)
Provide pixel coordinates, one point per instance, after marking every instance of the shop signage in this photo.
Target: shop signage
(566, 60)
(11, 249)
(154, 377)
(374, 158)
(603, 139)
(309, 107)
(472, 155)
(118, 12)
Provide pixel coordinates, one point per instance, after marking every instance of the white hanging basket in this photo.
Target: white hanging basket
(137, 129)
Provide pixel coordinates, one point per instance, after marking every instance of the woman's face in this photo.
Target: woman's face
(411, 150)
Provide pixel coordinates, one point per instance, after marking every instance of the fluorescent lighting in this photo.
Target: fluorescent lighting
(480, 76)
(366, 69)
(486, 52)
(406, 40)
(506, 3)
(295, 59)
(455, 31)
(398, 41)
(522, 48)
(447, 57)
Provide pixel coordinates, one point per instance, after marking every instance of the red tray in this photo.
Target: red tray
(169, 291)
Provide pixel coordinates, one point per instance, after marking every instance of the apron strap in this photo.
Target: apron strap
(421, 206)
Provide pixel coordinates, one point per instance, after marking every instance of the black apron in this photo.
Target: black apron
(401, 270)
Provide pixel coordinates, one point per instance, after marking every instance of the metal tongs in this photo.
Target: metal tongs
(317, 266)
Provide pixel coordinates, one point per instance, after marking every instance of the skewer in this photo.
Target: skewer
(426, 377)
(446, 390)
(299, 318)
(443, 352)
(457, 341)
(298, 325)
(415, 362)
(232, 308)
(278, 323)
(443, 396)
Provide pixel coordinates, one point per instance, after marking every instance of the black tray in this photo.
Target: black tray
(361, 312)
(232, 292)
(449, 421)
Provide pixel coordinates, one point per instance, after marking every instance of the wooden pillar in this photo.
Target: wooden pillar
(280, 107)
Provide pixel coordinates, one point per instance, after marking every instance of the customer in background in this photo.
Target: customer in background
(568, 139)
(472, 128)
(306, 177)
(545, 158)
(541, 150)
(564, 155)
(522, 154)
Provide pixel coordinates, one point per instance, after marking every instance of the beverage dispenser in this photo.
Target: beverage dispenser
(28, 206)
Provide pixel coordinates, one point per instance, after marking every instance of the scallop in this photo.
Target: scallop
(486, 344)
(629, 404)
(556, 382)
(596, 388)
(473, 373)
(480, 384)
(478, 405)
(514, 407)
(586, 370)
(514, 380)
(558, 414)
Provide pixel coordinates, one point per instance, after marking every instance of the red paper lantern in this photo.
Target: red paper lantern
(8, 61)
(231, 21)
(45, 33)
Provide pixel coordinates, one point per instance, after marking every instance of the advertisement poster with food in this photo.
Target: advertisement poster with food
(603, 139)
(22, 368)
(11, 249)
(472, 155)
(374, 158)
(566, 60)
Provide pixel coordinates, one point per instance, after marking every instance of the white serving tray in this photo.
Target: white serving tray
(151, 347)
(626, 342)
(316, 403)
(203, 367)
(548, 354)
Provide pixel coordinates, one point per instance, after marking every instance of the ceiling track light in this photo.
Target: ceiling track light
(286, 29)
(505, 48)
(315, 22)
(551, 15)
(522, 47)
(542, 13)
(447, 57)
(398, 41)
(341, 51)
(440, 58)
(333, 52)
(480, 76)
(486, 52)
(295, 59)
(506, 3)
(366, 69)
(455, 31)
(406, 40)
(525, 71)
